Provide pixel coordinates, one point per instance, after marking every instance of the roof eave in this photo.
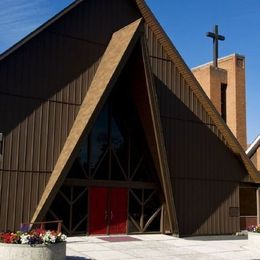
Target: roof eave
(38, 30)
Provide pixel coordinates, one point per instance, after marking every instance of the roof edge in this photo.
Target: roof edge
(253, 147)
(219, 59)
(39, 29)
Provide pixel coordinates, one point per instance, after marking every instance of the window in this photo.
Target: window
(224, 101)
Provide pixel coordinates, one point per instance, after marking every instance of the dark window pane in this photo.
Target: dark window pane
(154, 226)
(79, 210)
(132, 228)
(138, 193)
(76, 171)
(66, 191)
(135, 210)
(143, 173)
(83, 155)
(224, 101)
(148, 193)
(151, 206)
(99, 138)
(60, 208)
(117, 171)
(119, 141)
(135, 158)
(101, 172)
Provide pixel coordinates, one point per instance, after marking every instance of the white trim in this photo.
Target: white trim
(219, 59)
(253, 147)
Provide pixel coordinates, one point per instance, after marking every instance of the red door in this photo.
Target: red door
(107, 211)
(98, 211)
(118, 211)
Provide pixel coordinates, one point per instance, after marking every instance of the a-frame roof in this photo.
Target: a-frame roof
(112, 62)
(149, 18)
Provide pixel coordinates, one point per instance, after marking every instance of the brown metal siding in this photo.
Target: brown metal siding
(42, 85)
(247, 178)
(166, 72)
(254, 158)
(205, 173)
(208, 213)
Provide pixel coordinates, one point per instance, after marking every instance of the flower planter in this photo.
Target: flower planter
(37, 252)
(254, 239)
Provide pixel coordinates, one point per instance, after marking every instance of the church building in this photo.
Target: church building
(106, 128)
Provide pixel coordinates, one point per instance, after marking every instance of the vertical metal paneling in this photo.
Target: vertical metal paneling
(44, 82)
(205, 185)
(161, 66)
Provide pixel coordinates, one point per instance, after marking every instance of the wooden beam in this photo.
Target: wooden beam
(101, 183)
(158, 132)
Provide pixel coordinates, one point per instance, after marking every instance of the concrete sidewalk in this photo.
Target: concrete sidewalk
(160, 247)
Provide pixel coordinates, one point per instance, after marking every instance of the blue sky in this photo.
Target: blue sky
(185, 21)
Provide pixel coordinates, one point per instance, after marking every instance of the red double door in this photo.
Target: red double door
(107, 211)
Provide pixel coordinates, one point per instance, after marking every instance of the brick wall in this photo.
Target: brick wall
(231, 71)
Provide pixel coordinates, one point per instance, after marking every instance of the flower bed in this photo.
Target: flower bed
(35, 245)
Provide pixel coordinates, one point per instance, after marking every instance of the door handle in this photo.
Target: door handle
(111, 215)
(106, 215)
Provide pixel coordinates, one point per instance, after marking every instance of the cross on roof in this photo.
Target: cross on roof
(216, 37)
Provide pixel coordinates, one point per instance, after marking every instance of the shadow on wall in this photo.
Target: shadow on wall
(44, 69)
(42, 85)
(59, 63)
(205, 173)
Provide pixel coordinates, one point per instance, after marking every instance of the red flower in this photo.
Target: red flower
(9, 238)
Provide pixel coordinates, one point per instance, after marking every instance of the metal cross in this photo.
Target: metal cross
(216, 37)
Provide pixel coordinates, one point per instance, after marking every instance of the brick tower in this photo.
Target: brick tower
(225, 86)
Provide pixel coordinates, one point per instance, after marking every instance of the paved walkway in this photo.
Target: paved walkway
(159, 247)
